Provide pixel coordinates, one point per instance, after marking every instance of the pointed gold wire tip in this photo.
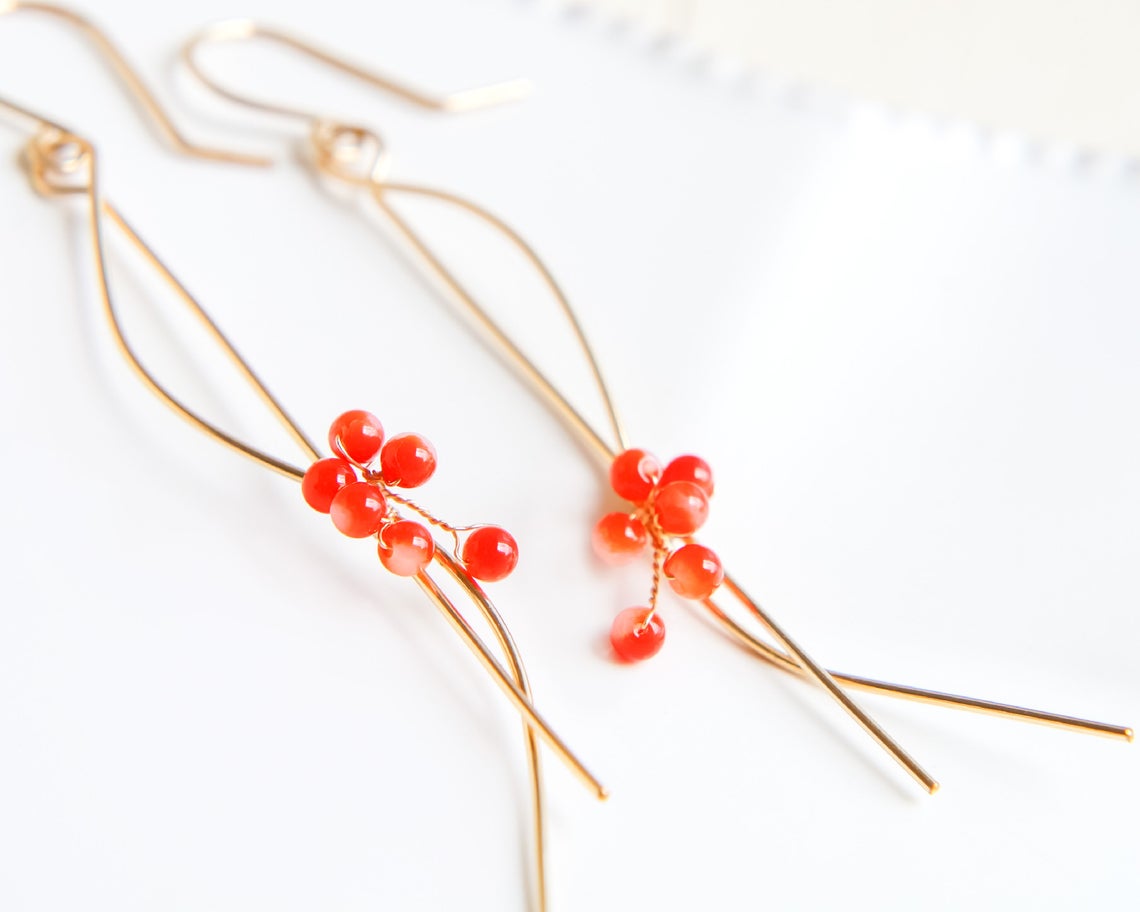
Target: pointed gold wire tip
(489, 96)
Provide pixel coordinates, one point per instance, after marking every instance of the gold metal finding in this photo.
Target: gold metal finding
(134, 83)
(61, 162)
(359, 157)
(243, 30)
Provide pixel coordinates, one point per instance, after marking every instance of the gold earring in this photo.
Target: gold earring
(340, 153)
(357, 483)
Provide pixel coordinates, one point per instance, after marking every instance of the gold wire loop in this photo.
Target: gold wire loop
(349, 153)
(59, 162)
(129, 76)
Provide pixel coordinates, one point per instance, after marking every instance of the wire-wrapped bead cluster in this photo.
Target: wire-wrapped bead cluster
(355, 488)
(670, 503)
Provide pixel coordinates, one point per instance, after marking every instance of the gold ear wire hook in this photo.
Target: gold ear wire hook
(235, 30)
(134, 83)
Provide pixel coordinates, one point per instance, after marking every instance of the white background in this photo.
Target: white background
(908, 352)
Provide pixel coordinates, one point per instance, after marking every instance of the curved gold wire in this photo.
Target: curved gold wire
(605, 453)
(335, 158)
(136, 88)
(62, 162)
(809, 666)
(534, 760)
(340, 149)
(234, 30)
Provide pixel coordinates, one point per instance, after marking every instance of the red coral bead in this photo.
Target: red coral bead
(634, 474)
(490, 553)
(633, 639)
(681, 507)
(407, 461)
(323, 479)
(619, 538)
(356, 435)
(689, 468)
(694, 571)
(405, 547)
(358, 509)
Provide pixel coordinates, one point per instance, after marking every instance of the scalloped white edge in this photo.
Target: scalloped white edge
(655, 32)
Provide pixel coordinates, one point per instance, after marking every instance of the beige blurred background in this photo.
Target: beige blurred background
(1062, 70)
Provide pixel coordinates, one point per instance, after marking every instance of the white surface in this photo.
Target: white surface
(1059, 71)
(909, 355)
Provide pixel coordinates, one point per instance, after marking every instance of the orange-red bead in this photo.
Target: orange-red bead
(407, 461)
(681, 508)
(633, 475)
(490, 553)
(694, 571)
(689, 468)
(357, 435)
(324, 479)
(358, 509)
(405, 547)
(619, 538)
(634, 640)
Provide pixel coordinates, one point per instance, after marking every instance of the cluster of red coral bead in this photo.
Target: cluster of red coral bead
(356, 496)
(670, 501)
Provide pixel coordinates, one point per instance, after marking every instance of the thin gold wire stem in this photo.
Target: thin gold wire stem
(518, 671)
(95, 222)
(215, 331)
(500, 676)
(605, 455)
(917, 694)
(476, 311)
(450, 282)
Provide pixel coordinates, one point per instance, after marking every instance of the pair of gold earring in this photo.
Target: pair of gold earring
(363, 481)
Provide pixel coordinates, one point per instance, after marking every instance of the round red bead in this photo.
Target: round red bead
(324, 479)
(633, 475)
(490, 553)
(357, 435)
(358, 509)
(407, 461)
(619, 538)
(681, 508)
(694, 571)
(405, 547)
(689, 468)
(633, 639)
